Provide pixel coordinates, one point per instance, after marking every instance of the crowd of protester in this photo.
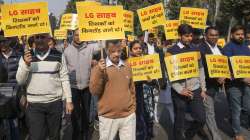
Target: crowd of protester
(84, 82)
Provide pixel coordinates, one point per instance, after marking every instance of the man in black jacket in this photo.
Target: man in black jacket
(9, 59)
(209, 46)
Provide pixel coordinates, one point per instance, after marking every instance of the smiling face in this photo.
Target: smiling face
(212, 37)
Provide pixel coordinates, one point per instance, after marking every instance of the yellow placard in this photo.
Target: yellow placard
(221, 42)
(131, 38)
(128, 21)
(196, 17)
(101, 25)
(182, 66)
(88, 3)
(146, 67)
(217, 66)
(60, 34)
(69, 22)
(240, 66)
(25, 18)
(1, 21)
(171, 28)
(151, 16)
(155, 31)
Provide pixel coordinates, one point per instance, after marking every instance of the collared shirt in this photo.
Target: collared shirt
(180, 45)
(109, 63)
(42, 57)
(151, 49)
(215, 50)
(7, 55)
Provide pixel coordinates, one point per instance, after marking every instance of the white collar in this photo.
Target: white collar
(150, 44)
(211, 45)
(109, 63)
(8, 54)
(180, 45)
(44, 56)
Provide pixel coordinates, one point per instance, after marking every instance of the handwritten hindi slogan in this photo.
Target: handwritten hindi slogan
(69, 22)
(25, 18)
(240, 66)
(146, 67)
(217, 66)
(60, 34)
(151, 16)
(1, 18)
(171, 28)
(128, 21)
(182, 66)
(196, 17)
(101, 25)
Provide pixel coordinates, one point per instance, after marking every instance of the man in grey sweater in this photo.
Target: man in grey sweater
(44, 72)
(79, 59)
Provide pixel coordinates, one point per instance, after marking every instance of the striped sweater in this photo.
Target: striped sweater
(46, 78)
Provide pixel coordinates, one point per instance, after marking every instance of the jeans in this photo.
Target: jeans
(197, 112)
(210, 114)
(80, 116)
(43, 119)
(239, 97)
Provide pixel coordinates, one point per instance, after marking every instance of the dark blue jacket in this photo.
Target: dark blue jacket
(236, 49)
(11, 65)
(177, 50)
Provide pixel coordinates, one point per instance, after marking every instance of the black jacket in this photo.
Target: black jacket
(11, 65)
(205, 49)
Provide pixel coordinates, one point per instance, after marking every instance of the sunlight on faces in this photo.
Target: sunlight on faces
(76, 37)
(114, 52)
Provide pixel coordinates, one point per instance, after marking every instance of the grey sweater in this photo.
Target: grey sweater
(78, 60)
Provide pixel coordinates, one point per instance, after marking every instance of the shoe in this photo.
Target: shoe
(239, 137)
(202, 134)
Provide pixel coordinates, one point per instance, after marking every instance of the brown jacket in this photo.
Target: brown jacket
(115, 90)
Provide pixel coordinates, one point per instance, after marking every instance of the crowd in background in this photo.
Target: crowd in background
(58, 81)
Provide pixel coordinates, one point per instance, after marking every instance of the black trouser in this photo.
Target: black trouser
(80, 116)
(44, 118)
(197, 112)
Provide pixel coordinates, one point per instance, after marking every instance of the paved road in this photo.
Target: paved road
(222, 113)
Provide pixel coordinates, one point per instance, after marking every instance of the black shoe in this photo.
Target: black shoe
(202, 134)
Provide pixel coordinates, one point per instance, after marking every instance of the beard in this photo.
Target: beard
(238, 41)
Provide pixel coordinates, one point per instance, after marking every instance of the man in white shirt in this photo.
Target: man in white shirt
(151, 45)
(209, 46)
